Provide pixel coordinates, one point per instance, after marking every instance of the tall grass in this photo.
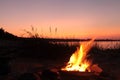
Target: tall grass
(33, 33)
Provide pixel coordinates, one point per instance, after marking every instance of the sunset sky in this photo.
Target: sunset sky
(62, 18)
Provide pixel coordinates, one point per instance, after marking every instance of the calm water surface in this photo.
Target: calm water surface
(108, 44)
(101, 44)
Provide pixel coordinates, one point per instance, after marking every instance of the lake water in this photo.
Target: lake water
(101, 44)
(108, 44)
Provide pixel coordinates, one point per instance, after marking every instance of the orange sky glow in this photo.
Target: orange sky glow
(66, 18)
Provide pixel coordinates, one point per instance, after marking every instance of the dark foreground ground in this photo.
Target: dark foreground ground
(34, 56)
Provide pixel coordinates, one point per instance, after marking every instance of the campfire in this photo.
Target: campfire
(80, 66)
(78, 61)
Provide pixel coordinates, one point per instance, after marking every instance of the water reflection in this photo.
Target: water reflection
(101, 44)
(108, 44)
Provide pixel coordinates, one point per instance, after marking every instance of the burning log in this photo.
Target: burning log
(96, 69)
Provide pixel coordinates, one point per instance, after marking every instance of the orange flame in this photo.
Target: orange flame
(78, 61)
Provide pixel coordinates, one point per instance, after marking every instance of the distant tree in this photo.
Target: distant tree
(6, 35)
(2, 32)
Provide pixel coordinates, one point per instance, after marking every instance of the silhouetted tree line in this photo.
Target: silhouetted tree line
(6, 35)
